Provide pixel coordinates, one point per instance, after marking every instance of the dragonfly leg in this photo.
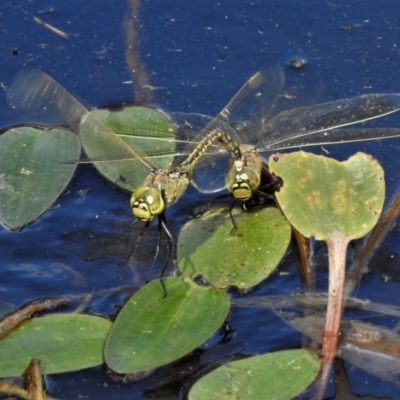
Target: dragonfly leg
(258, 199)
(277, 181)
(159, 237)
(171, 250)
(233, 230)
(262, 195)
(209, 204)
(162, 226)
(222, 196)
(123, 262)
(171, 246)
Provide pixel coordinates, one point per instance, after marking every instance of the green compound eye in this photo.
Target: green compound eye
(242, 183)
(146, 203)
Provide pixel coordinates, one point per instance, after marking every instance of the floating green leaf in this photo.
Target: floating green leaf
(62, 342)
(332, 201)
(244, 259)
(152, 330)
(322, 197)
(145, 128)
(275, 376)
(32, 173)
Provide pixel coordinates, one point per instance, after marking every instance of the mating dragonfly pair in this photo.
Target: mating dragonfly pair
(256, 120)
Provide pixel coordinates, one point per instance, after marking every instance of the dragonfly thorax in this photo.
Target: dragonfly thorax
(172, 183)
(146, 203)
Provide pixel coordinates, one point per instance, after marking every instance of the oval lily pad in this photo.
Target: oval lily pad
(152, 330)
(244, 259)
(274, 376)
(322, 197)
(32, 173)
(62, 342)
(139, 127)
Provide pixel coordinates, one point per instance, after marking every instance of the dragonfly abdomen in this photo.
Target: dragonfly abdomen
(216, 135)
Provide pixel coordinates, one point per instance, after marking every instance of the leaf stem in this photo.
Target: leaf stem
(337, 249)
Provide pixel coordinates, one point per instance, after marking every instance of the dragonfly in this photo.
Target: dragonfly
(35, 92)
(266, 121)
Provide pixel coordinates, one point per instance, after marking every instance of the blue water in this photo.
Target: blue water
(197, 55)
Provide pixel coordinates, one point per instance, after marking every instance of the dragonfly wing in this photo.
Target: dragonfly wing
(38, 94)
(258, 95)
(140, 128)
(186, 129)
(303, 92)
(293, 128)
(337, 136)
(254, 102)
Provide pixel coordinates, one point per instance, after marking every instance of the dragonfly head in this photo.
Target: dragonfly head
(242, 184)
(146, 203)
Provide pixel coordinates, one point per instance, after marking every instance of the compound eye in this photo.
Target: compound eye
(146, 203)
(141, 210)
(242, 184)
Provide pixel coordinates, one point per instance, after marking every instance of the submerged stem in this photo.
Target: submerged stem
(337, 249)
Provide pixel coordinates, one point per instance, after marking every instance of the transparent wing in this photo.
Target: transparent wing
(38, 94)
(254, 116)
(318, 124)
(258, 95)
(125, 157)
(337, 136)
